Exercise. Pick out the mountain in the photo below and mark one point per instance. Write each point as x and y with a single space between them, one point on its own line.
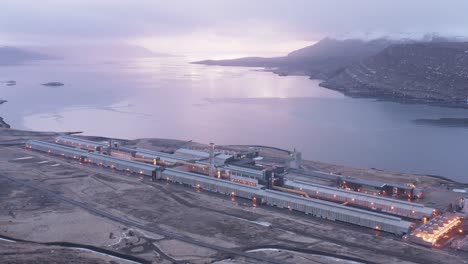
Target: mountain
423 72
433 69
99 51
320 60
12 55
329 47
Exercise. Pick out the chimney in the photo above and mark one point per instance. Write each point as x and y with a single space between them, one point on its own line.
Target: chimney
211 171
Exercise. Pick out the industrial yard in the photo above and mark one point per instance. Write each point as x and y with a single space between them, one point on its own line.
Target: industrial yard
167 201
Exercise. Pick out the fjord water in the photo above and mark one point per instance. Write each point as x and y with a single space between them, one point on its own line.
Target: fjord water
169 98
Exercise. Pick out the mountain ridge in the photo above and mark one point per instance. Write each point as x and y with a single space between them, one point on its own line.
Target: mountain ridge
431 70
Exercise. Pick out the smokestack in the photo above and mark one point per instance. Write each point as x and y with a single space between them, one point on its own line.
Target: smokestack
212 145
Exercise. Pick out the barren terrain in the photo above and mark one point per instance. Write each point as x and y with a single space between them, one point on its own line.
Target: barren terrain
63 205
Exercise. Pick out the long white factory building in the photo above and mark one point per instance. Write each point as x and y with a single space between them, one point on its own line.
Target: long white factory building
315 207
357 199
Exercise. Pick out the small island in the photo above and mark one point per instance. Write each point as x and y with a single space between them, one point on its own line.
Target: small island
53 84
9 83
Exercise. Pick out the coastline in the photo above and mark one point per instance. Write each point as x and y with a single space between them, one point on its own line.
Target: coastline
396 99
11 136
3 124
271 154
377 96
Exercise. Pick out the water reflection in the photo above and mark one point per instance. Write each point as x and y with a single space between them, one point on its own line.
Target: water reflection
229 105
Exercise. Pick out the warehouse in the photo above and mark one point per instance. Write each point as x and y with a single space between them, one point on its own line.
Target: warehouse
373 202
95 158
375 187
336 212
121 164
80 143
56 149
210 183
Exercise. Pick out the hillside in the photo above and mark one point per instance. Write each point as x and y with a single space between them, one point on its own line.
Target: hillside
12 55
320 60
423 72
431 70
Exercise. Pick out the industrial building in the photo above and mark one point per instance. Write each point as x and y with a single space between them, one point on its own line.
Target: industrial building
80 143
192 154
337 212
375 187
368 201
166 157
222 159
93 157
315 207
74 153
121 164
436 229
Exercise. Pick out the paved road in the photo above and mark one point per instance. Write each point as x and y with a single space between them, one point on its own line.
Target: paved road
112 217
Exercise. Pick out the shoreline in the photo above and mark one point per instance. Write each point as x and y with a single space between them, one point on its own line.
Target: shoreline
3 124
337 168
379 98
394 99
14 137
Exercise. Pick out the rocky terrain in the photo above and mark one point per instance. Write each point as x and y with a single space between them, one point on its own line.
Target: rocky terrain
3 124
433 70
320 60
61 211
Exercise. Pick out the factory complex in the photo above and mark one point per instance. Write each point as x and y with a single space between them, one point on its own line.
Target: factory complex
381 206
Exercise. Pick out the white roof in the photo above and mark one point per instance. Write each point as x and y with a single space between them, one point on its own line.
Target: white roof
359 196
223 156
80 141
192 152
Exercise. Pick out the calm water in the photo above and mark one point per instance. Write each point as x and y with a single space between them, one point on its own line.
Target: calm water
168 98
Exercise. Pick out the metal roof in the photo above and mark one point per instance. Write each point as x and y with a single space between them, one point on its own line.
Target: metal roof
363 181
223 156
162 154
318 174
337 208
243 169
81 141
192 152
57 147
211 180
92 155
359 196
122 161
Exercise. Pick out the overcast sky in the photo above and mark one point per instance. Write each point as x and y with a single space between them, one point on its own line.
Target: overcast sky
223 26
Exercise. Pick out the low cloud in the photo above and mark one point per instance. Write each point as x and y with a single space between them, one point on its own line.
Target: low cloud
278 22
